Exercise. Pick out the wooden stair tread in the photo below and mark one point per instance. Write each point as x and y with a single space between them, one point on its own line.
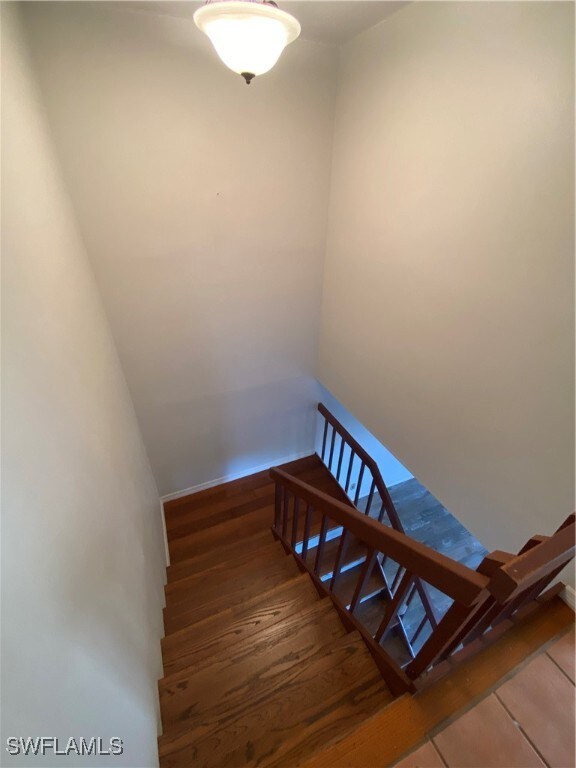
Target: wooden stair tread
232 530
305 694
258 669
219 555
355 555
220 573
229 627
342 714
194 527
222 497
237 493
370 614
206 602
198 519
347 581
228 583
213 690
210 496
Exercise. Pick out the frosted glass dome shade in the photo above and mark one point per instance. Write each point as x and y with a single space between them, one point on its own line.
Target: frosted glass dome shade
248 36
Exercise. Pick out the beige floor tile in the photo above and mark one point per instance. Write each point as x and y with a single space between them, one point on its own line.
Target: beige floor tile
541 698
486 737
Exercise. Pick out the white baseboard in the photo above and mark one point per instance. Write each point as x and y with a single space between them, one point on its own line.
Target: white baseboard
234 476
568 595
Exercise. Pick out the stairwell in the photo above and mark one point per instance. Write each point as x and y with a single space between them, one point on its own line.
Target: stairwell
260 669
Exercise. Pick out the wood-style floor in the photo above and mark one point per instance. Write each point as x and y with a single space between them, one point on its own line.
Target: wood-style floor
258 671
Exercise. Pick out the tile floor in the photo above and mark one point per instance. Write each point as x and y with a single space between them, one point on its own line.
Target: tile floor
527 722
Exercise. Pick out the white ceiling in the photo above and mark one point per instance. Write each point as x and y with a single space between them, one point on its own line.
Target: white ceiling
327 21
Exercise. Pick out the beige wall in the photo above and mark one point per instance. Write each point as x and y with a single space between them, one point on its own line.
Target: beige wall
82 547
447 322
203 206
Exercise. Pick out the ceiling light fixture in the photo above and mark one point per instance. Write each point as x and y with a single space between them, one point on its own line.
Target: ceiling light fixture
248 35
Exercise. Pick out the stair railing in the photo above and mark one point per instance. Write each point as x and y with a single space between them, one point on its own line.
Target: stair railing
343 464
501 587
336 461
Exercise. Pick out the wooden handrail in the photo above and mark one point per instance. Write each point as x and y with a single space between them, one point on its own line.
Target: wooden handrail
503 585
369 462
452 578
387 508
525 570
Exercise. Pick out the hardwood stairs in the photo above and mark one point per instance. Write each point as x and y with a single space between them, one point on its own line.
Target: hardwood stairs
260 669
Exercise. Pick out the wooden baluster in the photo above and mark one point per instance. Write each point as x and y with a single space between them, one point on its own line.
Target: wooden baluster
307 524
370 497
529 594
500 611
365 574
295 521
359 484
495 611
341 554
419 630
443 636
278 490
332 444
321 542
324 439
285 515
476 628
478 624
349 473
405 637
427 603
382 512
396 579
394 605
340 457
411 596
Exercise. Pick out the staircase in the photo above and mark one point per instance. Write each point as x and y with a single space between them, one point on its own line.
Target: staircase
258 669
286 646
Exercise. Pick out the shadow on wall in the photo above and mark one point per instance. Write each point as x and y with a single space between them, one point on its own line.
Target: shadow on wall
225 428
392 470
